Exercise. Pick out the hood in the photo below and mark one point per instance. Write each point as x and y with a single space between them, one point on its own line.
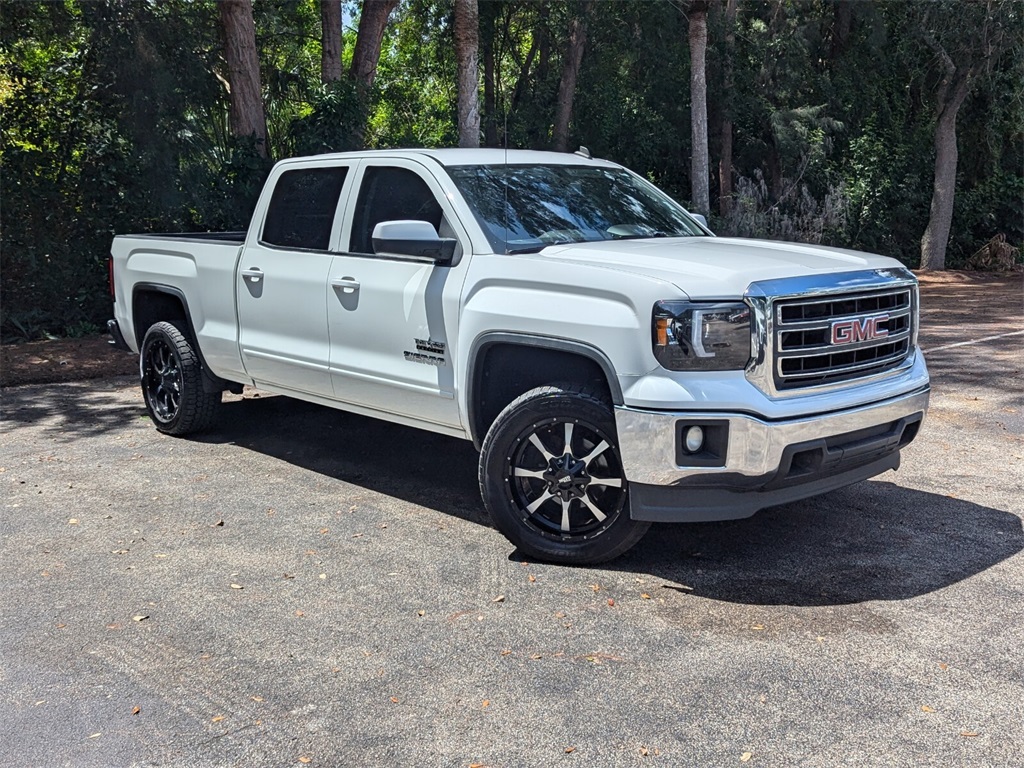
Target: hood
716 267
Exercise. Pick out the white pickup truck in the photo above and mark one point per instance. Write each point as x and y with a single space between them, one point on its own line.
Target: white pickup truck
614 362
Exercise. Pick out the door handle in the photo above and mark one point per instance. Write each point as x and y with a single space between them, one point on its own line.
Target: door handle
255 274
347 284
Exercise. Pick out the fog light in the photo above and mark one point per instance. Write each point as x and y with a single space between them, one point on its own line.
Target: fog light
694 439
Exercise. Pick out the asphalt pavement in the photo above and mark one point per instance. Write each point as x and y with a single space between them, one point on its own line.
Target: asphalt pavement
309 587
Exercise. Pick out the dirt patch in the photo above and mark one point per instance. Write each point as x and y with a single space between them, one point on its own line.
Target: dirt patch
45 362
954 306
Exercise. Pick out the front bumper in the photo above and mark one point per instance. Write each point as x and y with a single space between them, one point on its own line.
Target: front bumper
751 463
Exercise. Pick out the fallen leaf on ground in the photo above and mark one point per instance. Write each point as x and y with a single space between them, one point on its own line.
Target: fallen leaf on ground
217 719
421 613
758 627
745 757
487 703
237 586
969 734
570 750
394 700
300 613
74 521
95 735
324 530
532 578
506 652
218 524
644 596
499 599
140 617
257 698
357 535
304 759
535 656
943 667
136 710
596 587
926 708
611 603
644 751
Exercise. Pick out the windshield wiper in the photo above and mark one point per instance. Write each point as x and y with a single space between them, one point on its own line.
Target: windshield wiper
645 236
527 249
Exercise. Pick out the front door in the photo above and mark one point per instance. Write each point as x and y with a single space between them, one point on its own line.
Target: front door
393 320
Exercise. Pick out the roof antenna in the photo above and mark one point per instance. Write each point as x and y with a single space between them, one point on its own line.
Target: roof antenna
504 141
583 152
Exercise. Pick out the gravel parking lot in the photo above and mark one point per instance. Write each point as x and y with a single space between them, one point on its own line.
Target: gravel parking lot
305 586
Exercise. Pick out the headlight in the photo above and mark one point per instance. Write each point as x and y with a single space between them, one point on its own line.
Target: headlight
701 337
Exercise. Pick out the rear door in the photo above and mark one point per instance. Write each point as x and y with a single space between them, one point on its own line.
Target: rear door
282 281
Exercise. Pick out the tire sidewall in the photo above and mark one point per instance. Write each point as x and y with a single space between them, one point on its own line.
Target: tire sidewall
535 408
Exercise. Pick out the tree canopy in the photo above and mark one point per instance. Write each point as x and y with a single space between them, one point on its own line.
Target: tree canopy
824 118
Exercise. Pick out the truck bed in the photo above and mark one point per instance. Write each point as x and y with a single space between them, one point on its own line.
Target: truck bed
228 238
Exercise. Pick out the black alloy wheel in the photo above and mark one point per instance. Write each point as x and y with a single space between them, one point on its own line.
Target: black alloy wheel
172 382
552 478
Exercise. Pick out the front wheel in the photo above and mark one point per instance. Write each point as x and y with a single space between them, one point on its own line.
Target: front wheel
552 478
172 382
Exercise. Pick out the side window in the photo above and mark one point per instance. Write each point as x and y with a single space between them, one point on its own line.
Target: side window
388 194
302 208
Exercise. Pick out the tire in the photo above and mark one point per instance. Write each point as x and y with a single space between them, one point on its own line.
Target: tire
552 479
172 382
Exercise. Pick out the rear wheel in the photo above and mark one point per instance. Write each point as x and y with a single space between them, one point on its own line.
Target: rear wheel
552 478
172 382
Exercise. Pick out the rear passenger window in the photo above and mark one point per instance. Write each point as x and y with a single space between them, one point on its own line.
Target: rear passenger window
302 208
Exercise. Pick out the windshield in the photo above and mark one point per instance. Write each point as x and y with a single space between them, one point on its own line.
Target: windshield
523 208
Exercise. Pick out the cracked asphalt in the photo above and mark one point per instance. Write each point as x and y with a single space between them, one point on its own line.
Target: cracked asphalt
309 587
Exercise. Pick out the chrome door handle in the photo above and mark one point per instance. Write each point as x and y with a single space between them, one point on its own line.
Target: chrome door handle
255 274
347 284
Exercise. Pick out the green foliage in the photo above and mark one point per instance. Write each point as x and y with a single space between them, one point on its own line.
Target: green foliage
115 119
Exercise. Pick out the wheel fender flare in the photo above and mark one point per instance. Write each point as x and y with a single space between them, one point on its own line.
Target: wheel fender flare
211 383
491 338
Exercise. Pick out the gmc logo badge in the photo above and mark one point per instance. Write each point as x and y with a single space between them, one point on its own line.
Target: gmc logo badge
864 329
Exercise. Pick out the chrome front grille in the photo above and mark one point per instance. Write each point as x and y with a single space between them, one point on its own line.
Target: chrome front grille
831 331
835 338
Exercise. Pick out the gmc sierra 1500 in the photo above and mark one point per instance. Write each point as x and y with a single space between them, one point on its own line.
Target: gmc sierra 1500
613 360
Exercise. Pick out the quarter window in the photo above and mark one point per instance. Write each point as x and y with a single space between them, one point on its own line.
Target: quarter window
301 211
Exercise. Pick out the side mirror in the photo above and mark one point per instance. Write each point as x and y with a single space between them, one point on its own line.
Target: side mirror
700 219
413 238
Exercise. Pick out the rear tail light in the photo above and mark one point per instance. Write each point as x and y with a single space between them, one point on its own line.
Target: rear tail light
110 277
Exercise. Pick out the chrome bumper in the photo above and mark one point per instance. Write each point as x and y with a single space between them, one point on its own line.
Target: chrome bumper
649 440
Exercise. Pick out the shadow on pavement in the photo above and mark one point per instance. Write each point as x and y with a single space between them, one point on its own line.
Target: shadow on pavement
72 410
872 541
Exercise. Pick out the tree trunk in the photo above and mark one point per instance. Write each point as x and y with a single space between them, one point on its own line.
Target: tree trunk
372 22
725 162
467 53
490 98
940 218
331 41
700 165
246 116
567 83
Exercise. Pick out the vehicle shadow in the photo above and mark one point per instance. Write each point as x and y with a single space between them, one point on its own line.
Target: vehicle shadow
872 541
